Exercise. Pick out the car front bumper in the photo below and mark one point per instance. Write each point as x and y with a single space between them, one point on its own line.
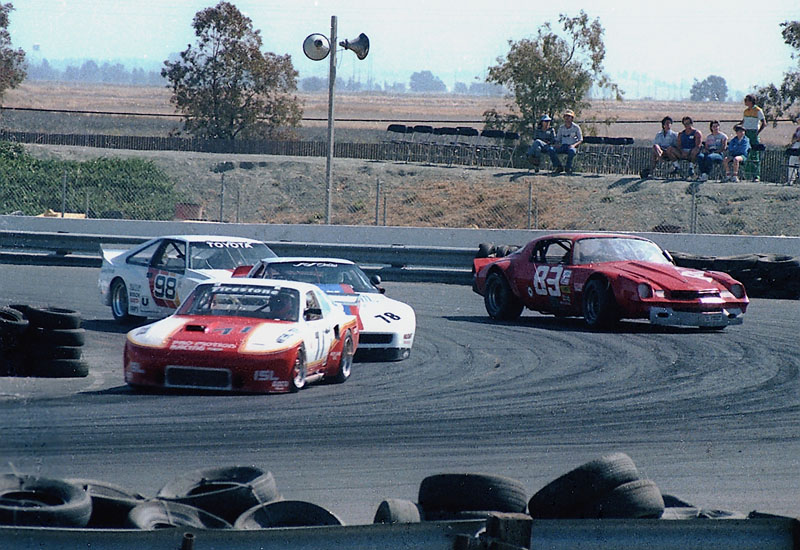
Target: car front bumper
719 318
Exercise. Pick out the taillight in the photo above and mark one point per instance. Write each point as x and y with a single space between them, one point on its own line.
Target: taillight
737 290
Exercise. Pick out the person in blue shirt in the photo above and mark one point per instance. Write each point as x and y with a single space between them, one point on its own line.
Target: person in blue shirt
543 139
738 149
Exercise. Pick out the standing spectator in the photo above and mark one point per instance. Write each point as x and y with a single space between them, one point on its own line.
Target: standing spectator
689 141
665 147
543 139
712 150
753 121
568 137
793 171
738 149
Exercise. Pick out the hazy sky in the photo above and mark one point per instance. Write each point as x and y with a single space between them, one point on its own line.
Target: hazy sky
674 41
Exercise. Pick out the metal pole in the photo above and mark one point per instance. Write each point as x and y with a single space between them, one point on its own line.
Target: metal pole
221 195
331 84
63 193
377 199
530 201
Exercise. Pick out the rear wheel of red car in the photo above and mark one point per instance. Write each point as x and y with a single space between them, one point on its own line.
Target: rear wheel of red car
346 363
297 377
599 306
500 302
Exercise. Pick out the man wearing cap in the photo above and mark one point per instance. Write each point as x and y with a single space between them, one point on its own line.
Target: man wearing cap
568 137
543 139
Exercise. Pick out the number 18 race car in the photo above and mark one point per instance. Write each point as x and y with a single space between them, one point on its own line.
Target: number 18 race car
245 335
604 278
153 279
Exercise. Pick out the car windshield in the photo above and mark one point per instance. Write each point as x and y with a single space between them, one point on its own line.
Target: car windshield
226 254
261 302
616 249
321 273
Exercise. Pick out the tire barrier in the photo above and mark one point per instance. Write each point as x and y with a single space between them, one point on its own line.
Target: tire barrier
42 342
30 500
286 513
111 503
763 275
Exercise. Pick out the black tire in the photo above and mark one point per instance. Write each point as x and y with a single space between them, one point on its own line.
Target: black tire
636 499
499 300
45 352
160 514
12 321
286 513
54 318
110 503
297 376
569 495
485 250
75 337
346 362
502 251
396 510
22 308
59 368
224 492
120 302
599 306
462 492
35 501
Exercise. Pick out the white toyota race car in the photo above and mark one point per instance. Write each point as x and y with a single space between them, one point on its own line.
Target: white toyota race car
153 279
387 326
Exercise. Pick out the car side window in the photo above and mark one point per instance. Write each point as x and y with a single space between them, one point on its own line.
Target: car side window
171 257
312 311
557 252
144 256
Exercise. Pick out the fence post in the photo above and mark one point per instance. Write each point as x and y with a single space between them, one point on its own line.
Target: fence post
530 201
63 192
377 199
221 195
693 213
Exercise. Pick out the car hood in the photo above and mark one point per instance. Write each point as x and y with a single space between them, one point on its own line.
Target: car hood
216 334
666 276
377 312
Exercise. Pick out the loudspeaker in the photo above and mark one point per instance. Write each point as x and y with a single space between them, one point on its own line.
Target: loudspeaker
360 45
316 47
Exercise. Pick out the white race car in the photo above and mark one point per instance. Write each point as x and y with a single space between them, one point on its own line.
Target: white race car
387 326
152 279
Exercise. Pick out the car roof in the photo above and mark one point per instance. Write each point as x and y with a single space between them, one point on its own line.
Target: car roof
577 235
295 259
203 238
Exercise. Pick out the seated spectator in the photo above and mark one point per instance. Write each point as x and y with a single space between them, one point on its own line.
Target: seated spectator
793 169
543 139
712 150
738 149
568 137
689 141
664 147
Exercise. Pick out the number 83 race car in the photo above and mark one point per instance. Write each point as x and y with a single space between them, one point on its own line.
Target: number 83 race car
606 277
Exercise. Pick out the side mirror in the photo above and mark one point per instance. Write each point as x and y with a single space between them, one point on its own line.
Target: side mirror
312 313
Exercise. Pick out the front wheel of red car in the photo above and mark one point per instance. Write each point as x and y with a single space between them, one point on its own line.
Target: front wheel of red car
499 300
346 362
599 306
297 376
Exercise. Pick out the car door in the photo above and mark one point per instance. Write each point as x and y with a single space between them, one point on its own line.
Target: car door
545 278
319 332
165 276
135 275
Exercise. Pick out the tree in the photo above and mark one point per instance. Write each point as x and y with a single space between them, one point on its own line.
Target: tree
12 62
784 100
426 81
551 72
226 87
713 88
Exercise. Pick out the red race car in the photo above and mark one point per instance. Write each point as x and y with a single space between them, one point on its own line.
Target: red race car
247 335
603 278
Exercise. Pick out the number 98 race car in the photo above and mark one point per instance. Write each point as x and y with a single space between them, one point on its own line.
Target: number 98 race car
387 326
153 279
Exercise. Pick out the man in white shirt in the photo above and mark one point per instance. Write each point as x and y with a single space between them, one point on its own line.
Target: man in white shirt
665 147
568 137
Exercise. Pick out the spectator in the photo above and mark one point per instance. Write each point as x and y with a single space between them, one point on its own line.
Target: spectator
543 139
738 149
794 160
568 137
665 147
753 121
712 150
689 141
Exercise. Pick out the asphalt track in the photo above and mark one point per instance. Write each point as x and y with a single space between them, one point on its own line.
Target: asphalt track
711 417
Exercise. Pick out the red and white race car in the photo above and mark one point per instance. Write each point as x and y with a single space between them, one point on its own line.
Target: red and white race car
606 277
245 335
152 279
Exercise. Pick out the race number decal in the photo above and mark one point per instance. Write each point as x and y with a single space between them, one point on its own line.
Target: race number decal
164 287
548 280
388 317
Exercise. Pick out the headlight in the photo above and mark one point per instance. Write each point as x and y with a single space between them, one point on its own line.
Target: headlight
645 291
737 290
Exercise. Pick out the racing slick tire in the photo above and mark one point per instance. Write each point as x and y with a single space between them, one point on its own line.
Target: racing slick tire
346 363
59 368
569 495
485 250
119 303
397 510
635 499
34 501
599 306
500 302
158 514
110 503
286 513
448 493
224 492
53 317
297 375
74 337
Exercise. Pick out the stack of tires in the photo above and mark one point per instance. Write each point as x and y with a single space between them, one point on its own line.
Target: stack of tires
41 342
